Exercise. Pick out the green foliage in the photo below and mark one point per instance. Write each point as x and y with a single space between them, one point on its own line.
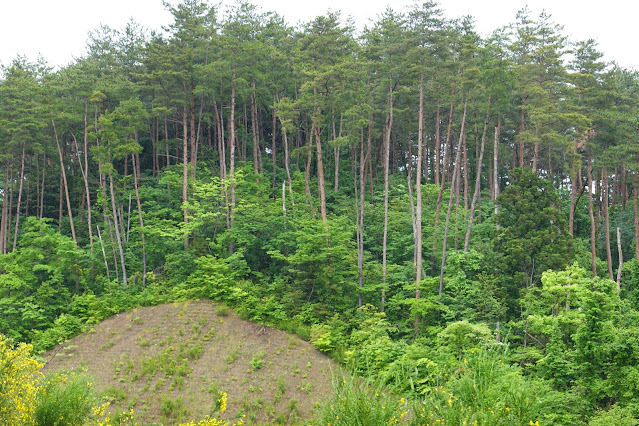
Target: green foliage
615 416
39 278
532 236
362 403
213 278
461 336
486 389
65 399
64 327
132 103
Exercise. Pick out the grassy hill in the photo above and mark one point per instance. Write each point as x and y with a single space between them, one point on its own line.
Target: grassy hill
172 362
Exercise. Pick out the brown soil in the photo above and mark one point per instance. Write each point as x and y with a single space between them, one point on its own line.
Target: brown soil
170 363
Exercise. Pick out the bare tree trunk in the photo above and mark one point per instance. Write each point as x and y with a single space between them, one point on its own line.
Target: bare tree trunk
86 193
44 172
418 189
369 154
273 146
5 212
185 172
307 172
477 183
360 224
438 144
64 179
85 176
465 163
193 139
620 267
449 143
320 174
358 230
232 158
447 148
636 206
336 152
593 235
136 177
117 228
286 164
522 129
256 136
106 263
450 199
387 138
604 201
17 227
573 188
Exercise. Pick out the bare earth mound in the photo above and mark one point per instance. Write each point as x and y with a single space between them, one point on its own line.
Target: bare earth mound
170 363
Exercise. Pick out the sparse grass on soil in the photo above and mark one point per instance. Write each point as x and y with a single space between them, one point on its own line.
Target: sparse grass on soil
171 363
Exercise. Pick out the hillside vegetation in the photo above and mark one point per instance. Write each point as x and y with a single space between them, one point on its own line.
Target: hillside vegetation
449 216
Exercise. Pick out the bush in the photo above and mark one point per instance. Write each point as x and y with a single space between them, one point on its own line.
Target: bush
19 381
356 402
65 399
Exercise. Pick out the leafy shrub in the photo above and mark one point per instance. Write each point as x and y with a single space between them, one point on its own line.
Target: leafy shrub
65 399
357 402
64 327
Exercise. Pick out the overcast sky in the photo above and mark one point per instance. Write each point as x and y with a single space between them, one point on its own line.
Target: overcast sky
57 29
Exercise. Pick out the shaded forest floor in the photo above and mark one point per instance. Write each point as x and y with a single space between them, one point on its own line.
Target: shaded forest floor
172 362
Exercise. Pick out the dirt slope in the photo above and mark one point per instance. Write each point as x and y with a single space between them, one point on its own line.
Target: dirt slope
170 363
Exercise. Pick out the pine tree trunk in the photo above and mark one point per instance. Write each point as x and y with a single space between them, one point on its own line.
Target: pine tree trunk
620 267
85 176
193 138
360 224
136 177
273 146
604 201
17 227
447 148
256 140
593 234
106 263
496 166
64 180
5 212
232 159
369 154
465 163
477 183
44 173
185 171
636 207
387 140
86 193
286 164
320 176
307 172
418 189
438 144
450 199
522 129
118 237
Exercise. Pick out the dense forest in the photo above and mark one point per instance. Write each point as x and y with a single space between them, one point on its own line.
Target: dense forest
453 216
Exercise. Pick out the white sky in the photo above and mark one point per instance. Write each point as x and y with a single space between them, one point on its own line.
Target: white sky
57 29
